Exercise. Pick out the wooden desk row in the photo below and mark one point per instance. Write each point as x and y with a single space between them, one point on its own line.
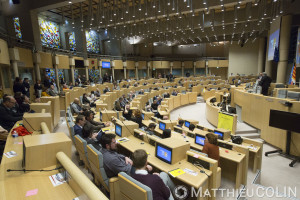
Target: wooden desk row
256 112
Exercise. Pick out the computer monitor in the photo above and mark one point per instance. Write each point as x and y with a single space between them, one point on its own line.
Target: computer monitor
143 116
200 127
199 139
187 124
220 135
162 126
163 153
118 130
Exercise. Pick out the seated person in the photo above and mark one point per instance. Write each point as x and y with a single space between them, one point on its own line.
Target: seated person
89 116
97 92
174 93
167 95
113 162
150 128
118 106
192 127
137 118
180 123
127 113
44 93
160 184
166 133
106 89
211 147
25 105
92 137
75 107
141 91
80 121
8 118
52 91
154 106
86 100
159 100
148 107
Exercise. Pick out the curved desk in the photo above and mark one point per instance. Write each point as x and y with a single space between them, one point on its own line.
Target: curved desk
256 112
212 115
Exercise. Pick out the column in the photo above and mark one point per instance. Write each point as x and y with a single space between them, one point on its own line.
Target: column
268 64
14 57
261 50
37 62
113 69
206 67
55 64
72 67
171 67
36 30
194 68
86 65
285 33
100 67
125 65
182 69
136 70
148 69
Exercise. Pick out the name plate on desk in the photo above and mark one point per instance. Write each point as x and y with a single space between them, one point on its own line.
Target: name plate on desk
269 99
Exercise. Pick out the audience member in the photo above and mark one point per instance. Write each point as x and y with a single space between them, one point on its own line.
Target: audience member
106 89
26 87
80 121
180 123
52 91
137 118
118 103
75 107
8 118
166 133
18 86
150 128
38 88
112 161
127 113
160 184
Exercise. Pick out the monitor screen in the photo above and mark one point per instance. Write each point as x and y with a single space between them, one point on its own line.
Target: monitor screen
162 126
119 130
143 116
220 135
163 153
285 120
79 64
187 124
105 65
199 139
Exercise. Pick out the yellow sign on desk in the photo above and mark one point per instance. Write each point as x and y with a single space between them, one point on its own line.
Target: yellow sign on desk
225 121
176 172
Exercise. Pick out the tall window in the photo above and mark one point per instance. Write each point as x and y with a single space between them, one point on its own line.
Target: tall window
49 32
92 41
72 41
17 27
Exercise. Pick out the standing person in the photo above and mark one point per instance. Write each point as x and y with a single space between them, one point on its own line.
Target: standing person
38 89
106 78
18 86
78 81
265 83
47 82
26 87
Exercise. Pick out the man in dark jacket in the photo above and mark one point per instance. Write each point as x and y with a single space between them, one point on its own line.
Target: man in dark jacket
265 83
7 117
26 87
18 86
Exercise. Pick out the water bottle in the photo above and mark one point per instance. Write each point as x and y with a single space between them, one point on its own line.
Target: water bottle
15 134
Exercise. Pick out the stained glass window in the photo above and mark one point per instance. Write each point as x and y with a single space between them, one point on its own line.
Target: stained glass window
50 73
17 27
94 75
49 32
72 42
92 41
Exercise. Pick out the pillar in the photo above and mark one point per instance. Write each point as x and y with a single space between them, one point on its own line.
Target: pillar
206 67
55 64
86 65
261 46
72 67
285 33
148 69
136 70
268 64
100 68
14 57
37 62
171 67
113 69
125 65
182 69
194 69
36 30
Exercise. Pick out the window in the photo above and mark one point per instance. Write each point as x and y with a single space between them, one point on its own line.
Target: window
49 32
92 41
72 41
17 27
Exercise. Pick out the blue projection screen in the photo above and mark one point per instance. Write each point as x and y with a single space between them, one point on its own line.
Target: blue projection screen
273 44
105 65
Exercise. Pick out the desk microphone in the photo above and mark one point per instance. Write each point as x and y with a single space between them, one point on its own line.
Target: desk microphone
33 170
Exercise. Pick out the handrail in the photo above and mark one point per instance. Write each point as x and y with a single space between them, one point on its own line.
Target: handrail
45 129
80 178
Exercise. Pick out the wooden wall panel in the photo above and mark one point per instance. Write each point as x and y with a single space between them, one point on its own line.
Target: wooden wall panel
200 64
4 53
213 63
26 57
165 64
63 62
188 64
142 65
118 64
130 64
176 65
46 60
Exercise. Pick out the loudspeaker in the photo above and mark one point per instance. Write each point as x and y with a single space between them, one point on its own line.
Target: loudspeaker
16 1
